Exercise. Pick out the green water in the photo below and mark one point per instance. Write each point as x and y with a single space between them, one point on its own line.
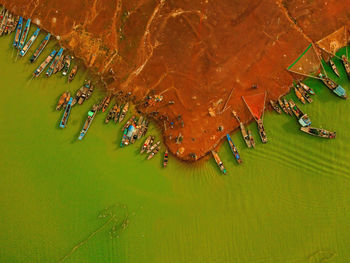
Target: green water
287 202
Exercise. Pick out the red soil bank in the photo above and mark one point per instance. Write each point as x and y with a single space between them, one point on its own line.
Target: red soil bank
193 52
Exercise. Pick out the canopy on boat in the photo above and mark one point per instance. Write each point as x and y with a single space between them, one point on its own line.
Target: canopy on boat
256 104
308 64
334 41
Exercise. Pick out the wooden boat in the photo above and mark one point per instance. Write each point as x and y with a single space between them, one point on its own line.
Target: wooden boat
59 65
307 88
334 67
153 153
29 43
90 91
129 122
77 96
287 107
304 93
66 113
43 65
251 139
243 130
73 73
18 32
124 111
24 35
146 143
218 161
318 132
54 63
106 103
8 24
165 159
2 14
87 124
62 100
303 119
275 107
66 64
13 24
4 22
111 113
152 147
142 129
117 113
299 96
346 65
283 107
67 100
233 149
336 88
130 133
40 48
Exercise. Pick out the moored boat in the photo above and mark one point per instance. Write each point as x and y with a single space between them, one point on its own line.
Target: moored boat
106 103
4 22
124 111
218 161
299 96
54 63
59 65
243 130
146 143
346 65
307 88
336 88
165 159
128 135
318 132
24 35
233 149
44 64
62 100
18 32
111 113
66 64
117 113
280 102
66 113
40 48
152 147
304 93
29 43
87 124
303 119
73 73
334 67
287 107
154 152
251 138
275 107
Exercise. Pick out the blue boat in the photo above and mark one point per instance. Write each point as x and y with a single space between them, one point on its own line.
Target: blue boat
24 35
233 149
66 113
40 48
18 32
29 43
127 135
336 88
90 118
43 65
54 62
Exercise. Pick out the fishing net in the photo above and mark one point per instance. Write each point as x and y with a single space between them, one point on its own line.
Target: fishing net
333 42
308 64
256 104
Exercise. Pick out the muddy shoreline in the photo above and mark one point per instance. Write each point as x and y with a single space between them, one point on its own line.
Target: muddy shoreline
193 54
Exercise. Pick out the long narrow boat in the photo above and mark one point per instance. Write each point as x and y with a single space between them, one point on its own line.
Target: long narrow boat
40 48
9 24
218 161
334 67
66 64
24 35
13 25
54 63
127 136
106 103
29 43
117 113
66 113
124 111
304 93
275 107
90 118
346 65
318 132
153 153
64 97
165 159
111 113
280 102
288 107
299 96
146 143
307 88
233 149
72 74
59 65
336 88
18 32
251 138
243 129
303 119
43 65
4 23
153 146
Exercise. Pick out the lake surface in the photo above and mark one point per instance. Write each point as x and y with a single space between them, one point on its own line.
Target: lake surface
287 202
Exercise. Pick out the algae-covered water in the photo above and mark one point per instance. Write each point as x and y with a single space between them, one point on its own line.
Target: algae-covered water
288 201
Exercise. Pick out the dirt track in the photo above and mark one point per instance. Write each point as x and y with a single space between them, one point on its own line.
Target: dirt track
192 52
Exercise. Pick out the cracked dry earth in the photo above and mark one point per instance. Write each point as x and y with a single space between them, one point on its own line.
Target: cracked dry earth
193 52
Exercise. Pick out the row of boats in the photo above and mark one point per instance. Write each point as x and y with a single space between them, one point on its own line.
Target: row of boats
8 22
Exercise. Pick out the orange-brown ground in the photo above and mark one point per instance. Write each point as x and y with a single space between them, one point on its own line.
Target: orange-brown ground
193 52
